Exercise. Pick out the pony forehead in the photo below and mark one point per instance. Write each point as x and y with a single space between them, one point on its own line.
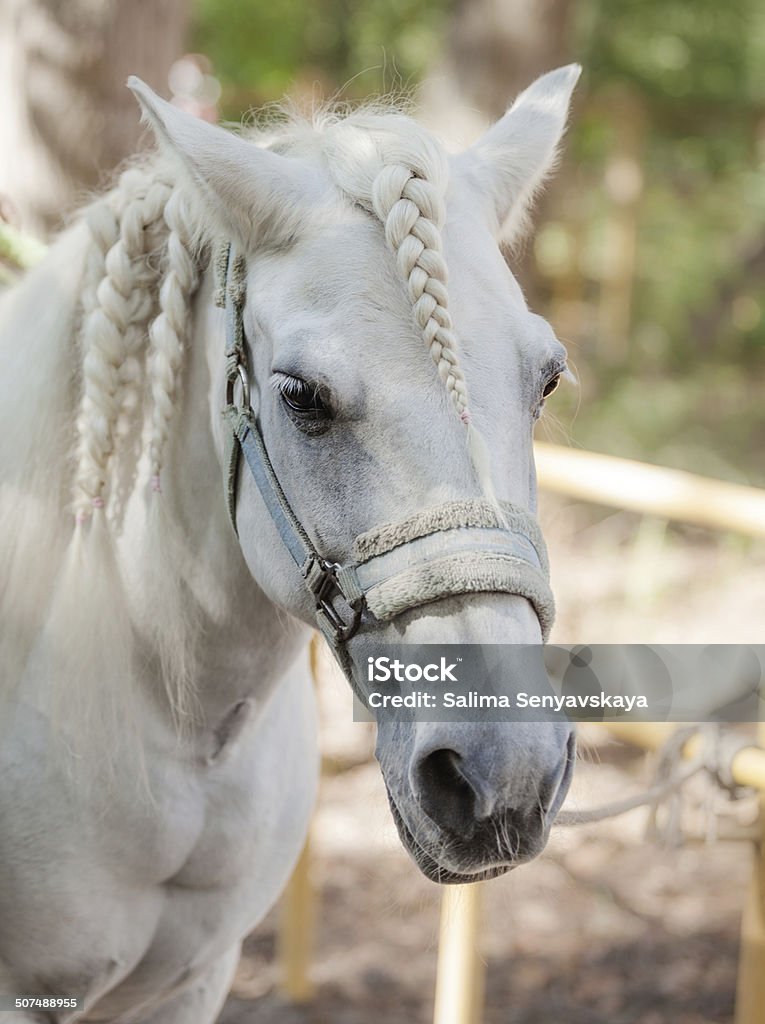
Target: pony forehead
340 278
340 257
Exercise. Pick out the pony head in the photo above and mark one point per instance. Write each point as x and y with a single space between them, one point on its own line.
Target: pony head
393 366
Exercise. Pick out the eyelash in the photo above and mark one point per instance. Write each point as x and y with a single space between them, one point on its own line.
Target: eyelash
553 379
302 399
552 385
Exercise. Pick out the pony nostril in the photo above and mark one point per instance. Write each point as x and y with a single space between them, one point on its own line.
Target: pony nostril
484 796
558 788
449 793
512 813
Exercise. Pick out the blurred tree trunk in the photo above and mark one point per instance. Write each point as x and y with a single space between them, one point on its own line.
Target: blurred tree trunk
66 118
623 184
493 50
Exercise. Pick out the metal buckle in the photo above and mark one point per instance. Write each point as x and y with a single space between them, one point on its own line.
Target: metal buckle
326 589
244 380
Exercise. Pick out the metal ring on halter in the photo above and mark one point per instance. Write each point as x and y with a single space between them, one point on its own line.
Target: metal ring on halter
244 380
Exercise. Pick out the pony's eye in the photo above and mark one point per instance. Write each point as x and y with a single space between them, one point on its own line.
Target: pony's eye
302 398
551 385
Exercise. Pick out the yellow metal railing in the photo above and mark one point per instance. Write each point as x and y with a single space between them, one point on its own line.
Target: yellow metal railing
747 768
652 490
750 991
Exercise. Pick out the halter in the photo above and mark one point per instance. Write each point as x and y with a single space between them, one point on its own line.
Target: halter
459 547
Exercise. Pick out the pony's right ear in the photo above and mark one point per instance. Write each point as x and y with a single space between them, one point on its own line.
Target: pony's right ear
508 165
252 194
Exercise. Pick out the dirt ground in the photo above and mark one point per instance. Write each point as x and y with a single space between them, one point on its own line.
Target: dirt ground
603 929
606 927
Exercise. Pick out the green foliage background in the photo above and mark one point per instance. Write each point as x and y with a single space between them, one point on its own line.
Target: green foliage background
261 49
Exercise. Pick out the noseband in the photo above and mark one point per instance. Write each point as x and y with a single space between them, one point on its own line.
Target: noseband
460 547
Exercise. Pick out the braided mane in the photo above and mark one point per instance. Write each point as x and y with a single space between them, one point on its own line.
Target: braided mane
127 326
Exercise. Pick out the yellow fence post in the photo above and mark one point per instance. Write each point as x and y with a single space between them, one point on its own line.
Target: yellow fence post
295 941
750 993
298 905
747 769
460 971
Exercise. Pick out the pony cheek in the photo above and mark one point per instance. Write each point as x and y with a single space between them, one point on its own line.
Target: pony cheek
267 560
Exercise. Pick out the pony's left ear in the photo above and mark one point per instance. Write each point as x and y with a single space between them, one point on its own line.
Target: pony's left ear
252 194
508 165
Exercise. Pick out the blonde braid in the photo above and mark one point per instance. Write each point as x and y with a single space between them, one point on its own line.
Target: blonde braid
140 222
168 330
103 226
118 303
103 334
412 211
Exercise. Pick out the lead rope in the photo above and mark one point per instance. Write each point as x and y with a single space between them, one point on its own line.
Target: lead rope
671 776
714 758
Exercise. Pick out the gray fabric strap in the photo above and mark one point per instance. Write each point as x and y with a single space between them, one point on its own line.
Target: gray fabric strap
411 567
477 512
322 580
291 532
463 572
435 546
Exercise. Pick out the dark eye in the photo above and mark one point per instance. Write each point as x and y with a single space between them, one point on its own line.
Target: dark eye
302 398
551 386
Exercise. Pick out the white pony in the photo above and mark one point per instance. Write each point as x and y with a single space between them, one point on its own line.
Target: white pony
157 731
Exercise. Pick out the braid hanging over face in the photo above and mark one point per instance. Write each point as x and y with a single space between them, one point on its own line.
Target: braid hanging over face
412 211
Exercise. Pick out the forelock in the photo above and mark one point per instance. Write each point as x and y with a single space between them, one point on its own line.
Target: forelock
354 146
